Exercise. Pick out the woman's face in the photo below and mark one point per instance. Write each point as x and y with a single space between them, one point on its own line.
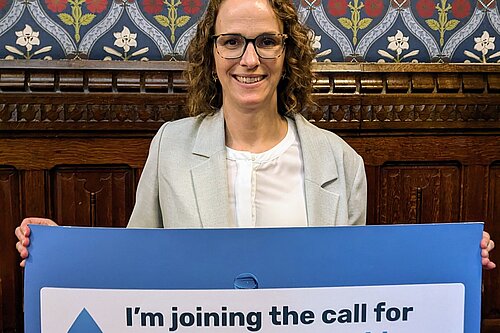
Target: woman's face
248 82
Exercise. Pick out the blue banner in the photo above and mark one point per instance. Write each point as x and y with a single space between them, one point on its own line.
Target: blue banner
67 263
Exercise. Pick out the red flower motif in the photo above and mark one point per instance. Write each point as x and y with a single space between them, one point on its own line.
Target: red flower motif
192 7
461 8
152 6
374 8
337 7
425 8
3 3
96 6
56 6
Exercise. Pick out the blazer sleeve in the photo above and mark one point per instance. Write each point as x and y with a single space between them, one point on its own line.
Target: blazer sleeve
358 196
147 210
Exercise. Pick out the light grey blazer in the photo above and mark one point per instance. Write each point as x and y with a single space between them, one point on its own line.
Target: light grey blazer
184 183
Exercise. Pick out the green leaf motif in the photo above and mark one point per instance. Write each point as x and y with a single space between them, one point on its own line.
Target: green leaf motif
87 19
451 24
66 19
182 21
163 20
346 23
76 11
433 24
364 23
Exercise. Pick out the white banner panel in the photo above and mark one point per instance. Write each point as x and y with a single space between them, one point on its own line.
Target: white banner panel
429 308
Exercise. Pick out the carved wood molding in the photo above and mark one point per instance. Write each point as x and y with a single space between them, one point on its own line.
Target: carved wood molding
97 95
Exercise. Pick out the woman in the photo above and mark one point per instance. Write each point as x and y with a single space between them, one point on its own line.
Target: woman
246 73
248 158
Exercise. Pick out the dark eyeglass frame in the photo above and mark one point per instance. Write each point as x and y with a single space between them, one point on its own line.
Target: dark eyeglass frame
252 40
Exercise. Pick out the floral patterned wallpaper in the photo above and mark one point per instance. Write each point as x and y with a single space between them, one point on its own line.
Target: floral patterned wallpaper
342 30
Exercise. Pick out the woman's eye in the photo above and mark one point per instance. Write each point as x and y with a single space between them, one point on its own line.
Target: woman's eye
231 42
268 42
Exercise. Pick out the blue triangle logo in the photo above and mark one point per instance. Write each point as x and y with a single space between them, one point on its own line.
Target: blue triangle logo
84 323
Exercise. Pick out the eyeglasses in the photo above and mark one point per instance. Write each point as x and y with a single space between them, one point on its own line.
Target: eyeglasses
233 46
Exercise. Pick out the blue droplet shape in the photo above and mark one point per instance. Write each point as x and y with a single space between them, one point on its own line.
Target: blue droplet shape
246 281
84 323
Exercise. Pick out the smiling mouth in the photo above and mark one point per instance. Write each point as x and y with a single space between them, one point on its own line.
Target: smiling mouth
246 79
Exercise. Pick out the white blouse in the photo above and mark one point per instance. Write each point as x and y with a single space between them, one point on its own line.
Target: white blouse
267 189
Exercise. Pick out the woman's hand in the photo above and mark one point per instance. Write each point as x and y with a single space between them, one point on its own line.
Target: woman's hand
487 245
23 235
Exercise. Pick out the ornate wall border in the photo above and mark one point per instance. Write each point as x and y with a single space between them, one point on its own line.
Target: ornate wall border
357 98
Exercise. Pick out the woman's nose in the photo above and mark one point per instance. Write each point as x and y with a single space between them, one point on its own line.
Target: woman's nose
250 58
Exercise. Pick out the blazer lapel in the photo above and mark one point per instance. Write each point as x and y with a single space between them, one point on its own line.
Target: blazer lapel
210 176
320 169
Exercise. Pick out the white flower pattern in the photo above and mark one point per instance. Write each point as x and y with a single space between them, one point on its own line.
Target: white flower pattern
315 13
125 40
484 44
315 40
398 43
27 38
316 46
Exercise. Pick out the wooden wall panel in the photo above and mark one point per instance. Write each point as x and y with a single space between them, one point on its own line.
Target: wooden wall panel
373 179
419 193
34 186
475 196
93 195
10 278
1 305
491 303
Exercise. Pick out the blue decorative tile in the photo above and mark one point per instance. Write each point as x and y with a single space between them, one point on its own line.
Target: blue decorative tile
368 30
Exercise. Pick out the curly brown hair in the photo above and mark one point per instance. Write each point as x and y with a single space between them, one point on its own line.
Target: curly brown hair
294 89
